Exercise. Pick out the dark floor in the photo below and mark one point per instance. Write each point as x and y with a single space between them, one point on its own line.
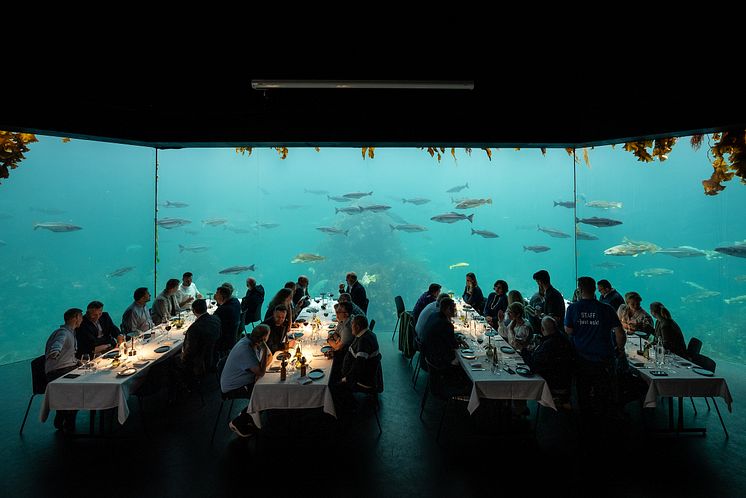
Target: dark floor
311 454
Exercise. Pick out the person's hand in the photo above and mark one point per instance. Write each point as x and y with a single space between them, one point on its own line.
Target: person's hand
489 320
501 315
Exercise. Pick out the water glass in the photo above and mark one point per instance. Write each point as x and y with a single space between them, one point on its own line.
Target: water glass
85 360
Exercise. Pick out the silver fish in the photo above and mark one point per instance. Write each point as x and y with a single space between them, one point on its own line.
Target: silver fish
307 257
738 250
581 235
553 232
566 204
120 271
315 192
170 223
653 272
485 233
332 230
417 201
604 204
213 222
175 204
458 188
735 300
408 228
452 218
357 195
631 248
598 222
472 203
536 248
349 210
54 226
699 296
267 225
376 208
235 270
193 248
682 252
338 198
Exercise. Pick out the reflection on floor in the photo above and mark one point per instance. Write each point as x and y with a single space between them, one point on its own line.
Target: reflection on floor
311 454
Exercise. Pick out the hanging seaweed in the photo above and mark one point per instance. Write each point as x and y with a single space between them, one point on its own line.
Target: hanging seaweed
244 150
283 151
733 145
696 141
640 150
489 153
662 147
13 146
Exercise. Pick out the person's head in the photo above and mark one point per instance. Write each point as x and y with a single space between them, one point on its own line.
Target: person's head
548 326
222 294
515 311
633 300
344 311
94 310
228 286
251 283
186 279
359 324
448 307
471 279
501 287
280 313
172 286
515 296
587 287
604 287
303 281
344 298
259 334
199 307
141 295
283 296
441 297
434 290
73 317
290 285
658 310
542 279
351 278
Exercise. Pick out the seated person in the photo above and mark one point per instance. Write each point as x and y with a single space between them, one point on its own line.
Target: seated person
199 340
426 298
60 359
425 315
356 291
301 299
473 295
633 317
553 359
518 331
346 298
609 295
97 333
667 330
136 318
438 344
165 305
187 292
496 301
229 312
278 325
285 297
341 338
251 304
247 362
360 369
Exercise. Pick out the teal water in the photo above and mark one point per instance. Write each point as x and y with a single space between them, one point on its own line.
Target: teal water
109 190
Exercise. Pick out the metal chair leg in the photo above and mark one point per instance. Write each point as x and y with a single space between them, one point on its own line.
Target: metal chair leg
424 397
416 374
693 406
375 410
26 415
395 327
217 419
714 402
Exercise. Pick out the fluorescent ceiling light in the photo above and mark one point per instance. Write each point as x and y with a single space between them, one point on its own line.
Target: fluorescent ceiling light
362 84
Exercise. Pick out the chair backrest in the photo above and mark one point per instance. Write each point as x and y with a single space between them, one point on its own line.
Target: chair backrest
694 347
220 367
399 305
704 362
371 325
38 375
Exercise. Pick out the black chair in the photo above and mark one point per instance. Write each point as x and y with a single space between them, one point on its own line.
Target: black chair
709 364
232 396
371 325
373 393
694 347
400 308
436 387
38 382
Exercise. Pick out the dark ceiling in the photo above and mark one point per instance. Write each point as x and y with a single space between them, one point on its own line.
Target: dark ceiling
532 105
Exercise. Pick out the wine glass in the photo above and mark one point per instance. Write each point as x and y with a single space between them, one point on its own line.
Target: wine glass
480 341
85 359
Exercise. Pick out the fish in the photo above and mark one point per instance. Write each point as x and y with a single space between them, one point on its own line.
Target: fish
740 278
604 204
472 203
738 250
170 223
235 270
267 225
193 248
458 265
682 252
54 226
357 195
376 208
458 188
417 201
338 198
213 222
694 284
581 235
631 248
408 228
565 204
598 222
332 230
368 279
536 249
292 206
485 233
349 210
307 257
175 204
48 210
452 218
699 296
120 271
735 300
553 232
653 272
315 192
608 265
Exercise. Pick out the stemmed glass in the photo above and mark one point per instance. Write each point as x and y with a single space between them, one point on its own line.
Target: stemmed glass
480 341
85 360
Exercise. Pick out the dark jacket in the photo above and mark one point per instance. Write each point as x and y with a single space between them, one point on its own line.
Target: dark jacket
554 304
673 340
475 299
425 299
251 304
438 341
87 334
199 343
362 360
277 334
613 299
494 304
357 293
230 316
553 360
299 296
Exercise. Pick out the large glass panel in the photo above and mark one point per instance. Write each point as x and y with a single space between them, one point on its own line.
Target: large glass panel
76 223
663 204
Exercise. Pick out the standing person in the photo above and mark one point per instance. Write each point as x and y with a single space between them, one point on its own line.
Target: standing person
301 299
473 295
165 305
60 359
97 331
251 304
667 331
554 303
596 333
187 292
356 291
430 296
609 295
199 340
341 339
137 317
497 301
633 317
229 312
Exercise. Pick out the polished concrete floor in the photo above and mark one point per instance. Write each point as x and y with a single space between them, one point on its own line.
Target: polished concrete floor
308 453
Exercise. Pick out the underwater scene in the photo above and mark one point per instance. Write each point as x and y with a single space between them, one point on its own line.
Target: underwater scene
78 223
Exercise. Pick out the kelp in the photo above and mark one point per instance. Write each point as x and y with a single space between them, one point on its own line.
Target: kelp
696 141
640 150
244 150
662 147
369 151
283 151
489 153
733 145
13 146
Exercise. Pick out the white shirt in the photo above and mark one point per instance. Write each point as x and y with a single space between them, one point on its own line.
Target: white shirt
185 292
424 315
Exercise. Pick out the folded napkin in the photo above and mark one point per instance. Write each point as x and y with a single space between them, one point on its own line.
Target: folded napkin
304 380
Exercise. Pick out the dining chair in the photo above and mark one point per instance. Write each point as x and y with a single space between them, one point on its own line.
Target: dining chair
38 384
709 364
400 308
232 396
372 393
436 386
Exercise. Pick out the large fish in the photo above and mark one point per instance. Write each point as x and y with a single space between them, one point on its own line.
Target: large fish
175 204
458 188
307 257
740 278
653 272
604 204
553 232
536 249
565 204
235 270
485 233
54 226
608 265
472 203
458 265
699 296
357 195
631 248
581 235
349 210
417 201
338 198
598 222
315 192
376 208
183 248
120 271
332 230
682 252
213 222
170 223
452 218
735 300
408 228
738 250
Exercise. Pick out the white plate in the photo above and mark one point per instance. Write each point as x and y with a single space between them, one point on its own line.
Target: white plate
468 356
127 372
315 374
